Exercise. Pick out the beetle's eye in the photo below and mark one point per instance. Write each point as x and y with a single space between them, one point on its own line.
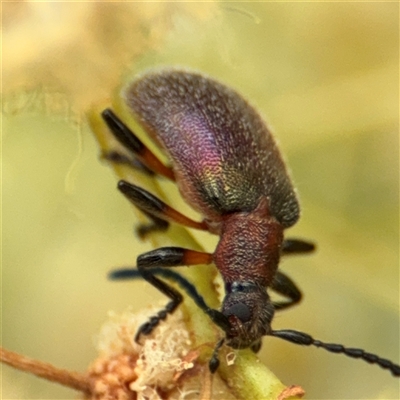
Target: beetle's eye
239 310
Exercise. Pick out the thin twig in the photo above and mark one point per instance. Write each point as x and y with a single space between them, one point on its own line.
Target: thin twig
71 379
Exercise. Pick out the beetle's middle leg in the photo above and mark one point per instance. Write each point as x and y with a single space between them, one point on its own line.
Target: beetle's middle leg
159 212
143 158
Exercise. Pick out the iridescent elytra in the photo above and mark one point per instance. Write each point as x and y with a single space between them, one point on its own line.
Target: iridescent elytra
227 166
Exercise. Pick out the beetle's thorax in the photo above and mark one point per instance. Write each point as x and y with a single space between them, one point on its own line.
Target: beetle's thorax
249 247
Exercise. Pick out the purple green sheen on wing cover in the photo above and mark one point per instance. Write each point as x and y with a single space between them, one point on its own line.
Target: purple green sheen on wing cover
218 142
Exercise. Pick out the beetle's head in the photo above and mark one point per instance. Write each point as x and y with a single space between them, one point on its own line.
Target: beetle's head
249 311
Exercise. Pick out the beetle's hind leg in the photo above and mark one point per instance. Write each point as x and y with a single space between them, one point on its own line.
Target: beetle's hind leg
159 212
142 157
283 285
116 157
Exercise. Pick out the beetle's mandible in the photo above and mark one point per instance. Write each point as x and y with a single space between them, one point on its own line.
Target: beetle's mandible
227 166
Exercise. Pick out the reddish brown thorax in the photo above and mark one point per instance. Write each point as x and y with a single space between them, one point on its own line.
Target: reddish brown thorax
249 248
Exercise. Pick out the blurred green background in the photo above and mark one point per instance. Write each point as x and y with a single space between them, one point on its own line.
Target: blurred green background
326 78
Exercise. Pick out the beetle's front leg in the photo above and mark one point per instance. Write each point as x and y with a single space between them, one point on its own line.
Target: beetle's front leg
283 285
297 246
166 257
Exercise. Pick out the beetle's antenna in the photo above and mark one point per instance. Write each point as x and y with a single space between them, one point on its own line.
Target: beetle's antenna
306 340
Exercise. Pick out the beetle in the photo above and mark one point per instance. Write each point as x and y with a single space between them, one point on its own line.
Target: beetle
227 166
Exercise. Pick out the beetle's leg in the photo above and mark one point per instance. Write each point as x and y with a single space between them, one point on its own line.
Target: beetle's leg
166 257
122 159
132 273
155 209
283 285
156 225
134 145
296 246
214 361
171 255
256 347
